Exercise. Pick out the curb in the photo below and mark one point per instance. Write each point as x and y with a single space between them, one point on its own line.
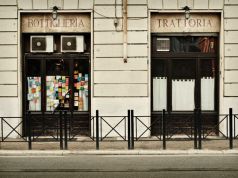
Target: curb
115 152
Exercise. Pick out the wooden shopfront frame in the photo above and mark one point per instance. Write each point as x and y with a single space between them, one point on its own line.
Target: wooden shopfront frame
169 32
61 29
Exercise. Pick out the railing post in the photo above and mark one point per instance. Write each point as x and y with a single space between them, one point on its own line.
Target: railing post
129 129
195 128
65 131
97 130
132 129
2 128
199 118
61 131
230 129
29 130
164 129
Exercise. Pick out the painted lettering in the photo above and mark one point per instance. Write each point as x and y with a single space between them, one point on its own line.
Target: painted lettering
165 23
30 22
209 23
173 23
199 23
192 23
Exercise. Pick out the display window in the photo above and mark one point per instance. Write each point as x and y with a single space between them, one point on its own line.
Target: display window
52 83
184 73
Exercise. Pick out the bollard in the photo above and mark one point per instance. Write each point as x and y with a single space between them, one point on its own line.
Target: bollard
195 128
65 131
129 129
230 129
199 120
132 129
29 131
164 129
61 131
97 130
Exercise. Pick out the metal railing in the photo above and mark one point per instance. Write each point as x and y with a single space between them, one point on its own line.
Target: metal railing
61 131
13 129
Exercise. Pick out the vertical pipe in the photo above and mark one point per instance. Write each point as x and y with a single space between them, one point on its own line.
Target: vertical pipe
128 129
230 129
164 129
132 129
97 130
199 119
65 131
61 131
29 131
125 31
195 128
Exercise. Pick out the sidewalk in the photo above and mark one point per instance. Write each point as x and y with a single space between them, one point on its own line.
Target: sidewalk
117 148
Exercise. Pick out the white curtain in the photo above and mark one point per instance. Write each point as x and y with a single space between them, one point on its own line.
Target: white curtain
207 93
183 95
159 93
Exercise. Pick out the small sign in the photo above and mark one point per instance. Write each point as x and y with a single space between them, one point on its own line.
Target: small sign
65 22
166 23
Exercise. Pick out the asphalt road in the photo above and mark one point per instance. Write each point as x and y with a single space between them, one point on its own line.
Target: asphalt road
115 166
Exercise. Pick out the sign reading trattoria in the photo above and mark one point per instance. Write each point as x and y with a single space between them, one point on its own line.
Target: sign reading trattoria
64 23
166 23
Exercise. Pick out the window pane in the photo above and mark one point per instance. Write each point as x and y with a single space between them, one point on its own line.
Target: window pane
33 85
208 71
163 44
56 89
57 84
183 95
81 85
183 44
34 93
184 69
207 93
159 74
57 67
159 93
208 68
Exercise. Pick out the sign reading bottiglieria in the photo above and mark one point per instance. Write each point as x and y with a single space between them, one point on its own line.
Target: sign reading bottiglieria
64 23
167 23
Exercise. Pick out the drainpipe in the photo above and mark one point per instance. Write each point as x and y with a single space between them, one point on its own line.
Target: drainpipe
125 31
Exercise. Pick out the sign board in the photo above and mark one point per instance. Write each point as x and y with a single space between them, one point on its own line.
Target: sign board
166 23
65 22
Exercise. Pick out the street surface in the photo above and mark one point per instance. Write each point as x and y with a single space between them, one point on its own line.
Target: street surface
115 166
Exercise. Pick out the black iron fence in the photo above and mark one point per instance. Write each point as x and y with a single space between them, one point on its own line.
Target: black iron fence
129 128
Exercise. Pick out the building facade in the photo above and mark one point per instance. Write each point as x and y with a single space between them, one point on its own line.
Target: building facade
145 55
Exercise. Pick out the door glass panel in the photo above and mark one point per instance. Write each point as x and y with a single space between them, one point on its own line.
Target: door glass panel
183 84
57 84
207 84
159 85
81 77
33 85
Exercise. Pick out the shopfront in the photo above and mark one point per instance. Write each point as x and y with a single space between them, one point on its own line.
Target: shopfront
184 68
144 55
56 68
